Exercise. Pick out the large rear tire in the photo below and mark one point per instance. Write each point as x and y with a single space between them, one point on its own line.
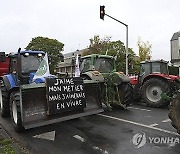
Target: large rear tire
174 112
126 93
4 101
15 111
137 93
152 90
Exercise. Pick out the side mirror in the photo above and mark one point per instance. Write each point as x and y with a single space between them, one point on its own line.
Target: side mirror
2 57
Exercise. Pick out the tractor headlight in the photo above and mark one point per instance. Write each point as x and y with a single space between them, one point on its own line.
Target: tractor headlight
26 54
39 54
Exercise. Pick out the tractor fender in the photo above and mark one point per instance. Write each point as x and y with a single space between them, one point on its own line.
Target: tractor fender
93 75
119 77
155 76
14 89
9 81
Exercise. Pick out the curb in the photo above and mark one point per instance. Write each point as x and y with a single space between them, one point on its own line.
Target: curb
4 136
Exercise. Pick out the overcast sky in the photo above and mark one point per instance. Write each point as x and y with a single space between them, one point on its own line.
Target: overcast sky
74 22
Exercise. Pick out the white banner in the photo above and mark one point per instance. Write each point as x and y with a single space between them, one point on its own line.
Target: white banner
77 70
43 70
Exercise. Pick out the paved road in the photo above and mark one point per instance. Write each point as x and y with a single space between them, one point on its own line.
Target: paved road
139 129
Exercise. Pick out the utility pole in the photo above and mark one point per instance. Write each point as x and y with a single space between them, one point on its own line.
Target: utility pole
102 14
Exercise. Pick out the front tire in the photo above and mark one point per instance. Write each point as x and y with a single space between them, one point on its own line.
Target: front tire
152 90
174 112
4 101
126 94
16 111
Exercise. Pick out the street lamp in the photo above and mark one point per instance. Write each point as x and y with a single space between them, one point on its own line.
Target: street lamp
102 13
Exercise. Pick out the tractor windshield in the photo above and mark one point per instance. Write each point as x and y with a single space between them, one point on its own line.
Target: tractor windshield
153 67
104 65
159 67
156 67
30 63
164 68
145 69
85 64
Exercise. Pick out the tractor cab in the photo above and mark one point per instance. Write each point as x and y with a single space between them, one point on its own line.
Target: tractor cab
30 61
152 67
100 63
24 63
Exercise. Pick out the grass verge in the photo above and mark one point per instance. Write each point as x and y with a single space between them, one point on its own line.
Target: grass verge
6 146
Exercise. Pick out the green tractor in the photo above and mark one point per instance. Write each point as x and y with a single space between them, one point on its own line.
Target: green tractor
116 90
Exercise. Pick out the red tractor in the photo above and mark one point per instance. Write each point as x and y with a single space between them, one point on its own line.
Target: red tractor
4 64
153 82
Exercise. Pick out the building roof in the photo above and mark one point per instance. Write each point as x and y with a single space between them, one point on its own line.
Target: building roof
153 61
70 54
68 57
175 36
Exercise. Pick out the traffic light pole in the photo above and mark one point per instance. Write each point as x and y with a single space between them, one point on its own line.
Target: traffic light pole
126 40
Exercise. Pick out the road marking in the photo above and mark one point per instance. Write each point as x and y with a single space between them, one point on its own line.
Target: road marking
139 124
97 148
139 109
167 120
79 138
47 136
94 147
153 125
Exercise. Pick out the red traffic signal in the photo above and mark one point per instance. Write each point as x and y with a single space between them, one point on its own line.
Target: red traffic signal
102 12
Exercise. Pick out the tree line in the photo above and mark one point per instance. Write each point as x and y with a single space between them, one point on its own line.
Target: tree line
97 45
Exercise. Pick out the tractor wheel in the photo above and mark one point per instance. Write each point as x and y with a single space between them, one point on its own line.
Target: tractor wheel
16 111
174 113
4 101
152 90
137 93
126 93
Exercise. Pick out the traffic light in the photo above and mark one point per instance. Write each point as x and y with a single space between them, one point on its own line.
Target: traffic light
102 12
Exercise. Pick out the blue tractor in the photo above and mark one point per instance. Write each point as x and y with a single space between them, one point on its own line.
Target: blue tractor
32 103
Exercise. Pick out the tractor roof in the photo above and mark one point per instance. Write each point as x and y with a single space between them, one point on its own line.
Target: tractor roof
33 52
12 54
154 61
95 55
